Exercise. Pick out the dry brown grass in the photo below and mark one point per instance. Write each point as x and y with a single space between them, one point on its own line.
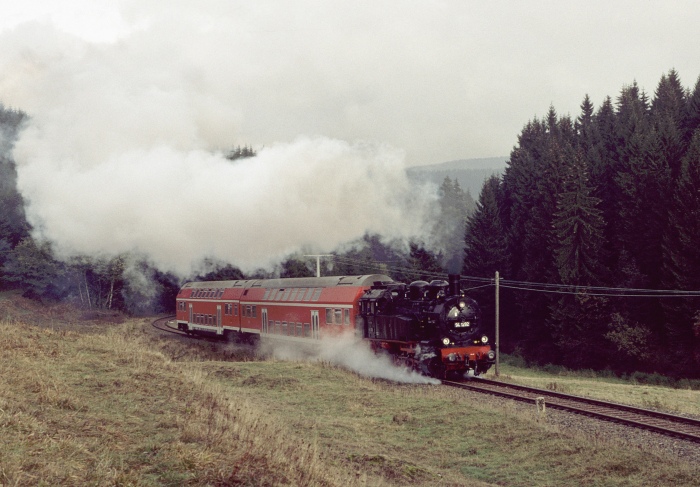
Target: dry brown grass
80 409
127 406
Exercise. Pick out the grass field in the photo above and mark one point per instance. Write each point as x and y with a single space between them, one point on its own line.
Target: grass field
679 400
124 406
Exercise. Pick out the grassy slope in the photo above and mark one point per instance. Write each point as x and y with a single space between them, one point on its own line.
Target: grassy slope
114 409
675 401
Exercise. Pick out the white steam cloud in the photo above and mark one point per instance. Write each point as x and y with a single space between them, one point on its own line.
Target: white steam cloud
351 353
123 152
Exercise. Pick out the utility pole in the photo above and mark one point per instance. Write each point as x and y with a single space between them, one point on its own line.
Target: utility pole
318 262
498 351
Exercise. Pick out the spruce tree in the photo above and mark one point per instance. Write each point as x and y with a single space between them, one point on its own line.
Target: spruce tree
669 118
485 252
578 320
681 262
455 206
486 249
693 112
578 228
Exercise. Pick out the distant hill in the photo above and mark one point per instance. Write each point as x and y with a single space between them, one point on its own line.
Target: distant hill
471 173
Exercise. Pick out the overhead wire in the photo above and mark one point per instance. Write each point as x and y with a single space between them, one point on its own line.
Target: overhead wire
552 288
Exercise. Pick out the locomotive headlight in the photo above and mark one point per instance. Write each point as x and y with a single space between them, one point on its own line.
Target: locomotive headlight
484 339
445 341
462 304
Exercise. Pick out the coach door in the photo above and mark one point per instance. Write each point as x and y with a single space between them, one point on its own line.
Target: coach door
191 314
219 324
314 325
264 320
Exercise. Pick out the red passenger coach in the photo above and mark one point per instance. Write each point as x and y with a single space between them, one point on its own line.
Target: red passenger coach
295 310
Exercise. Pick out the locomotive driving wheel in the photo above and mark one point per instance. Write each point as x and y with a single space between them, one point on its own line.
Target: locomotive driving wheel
429 362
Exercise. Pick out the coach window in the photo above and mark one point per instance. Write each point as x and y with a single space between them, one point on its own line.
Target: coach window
284 328
293 295
338 316
235 309
248 311
255 311
309 293
347 316
221 293
329 316
307 330
286 294
280 293
300 295
317 294
267 294
299 330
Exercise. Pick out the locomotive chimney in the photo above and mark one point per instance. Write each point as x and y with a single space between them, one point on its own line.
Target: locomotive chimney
454 288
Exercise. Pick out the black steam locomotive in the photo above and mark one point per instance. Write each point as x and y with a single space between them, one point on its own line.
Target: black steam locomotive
432 327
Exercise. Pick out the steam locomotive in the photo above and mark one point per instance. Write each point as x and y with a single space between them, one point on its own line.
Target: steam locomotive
431 327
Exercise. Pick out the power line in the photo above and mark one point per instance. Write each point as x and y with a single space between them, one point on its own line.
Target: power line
551 288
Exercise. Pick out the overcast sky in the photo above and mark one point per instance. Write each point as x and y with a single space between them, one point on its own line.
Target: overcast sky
130 101
440 80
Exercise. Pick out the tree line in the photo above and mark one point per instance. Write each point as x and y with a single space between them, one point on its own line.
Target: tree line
603 208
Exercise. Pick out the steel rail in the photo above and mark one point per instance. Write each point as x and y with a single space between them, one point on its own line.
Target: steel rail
664 423
162 325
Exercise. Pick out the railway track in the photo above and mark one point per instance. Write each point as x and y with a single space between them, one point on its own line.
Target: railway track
664 423
162 324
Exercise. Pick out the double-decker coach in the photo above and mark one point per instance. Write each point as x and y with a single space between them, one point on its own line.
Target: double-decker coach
294 310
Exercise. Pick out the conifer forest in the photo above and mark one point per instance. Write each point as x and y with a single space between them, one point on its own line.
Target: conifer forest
595 230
